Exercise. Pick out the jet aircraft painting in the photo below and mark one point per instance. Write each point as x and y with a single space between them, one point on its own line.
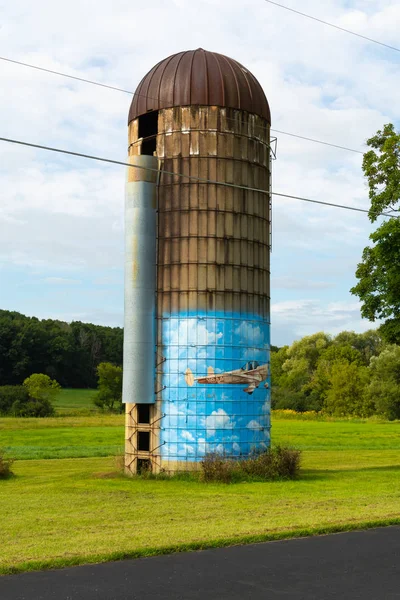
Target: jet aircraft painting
251 375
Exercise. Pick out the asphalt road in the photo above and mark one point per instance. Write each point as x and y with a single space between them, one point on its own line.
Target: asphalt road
363 564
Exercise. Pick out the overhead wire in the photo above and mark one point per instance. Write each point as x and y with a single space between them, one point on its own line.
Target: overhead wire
364 37
130 92
302 137
189 177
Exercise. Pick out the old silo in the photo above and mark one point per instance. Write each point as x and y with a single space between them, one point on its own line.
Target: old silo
203 117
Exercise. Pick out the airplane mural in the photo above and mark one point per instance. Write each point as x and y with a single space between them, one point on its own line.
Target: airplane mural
251 375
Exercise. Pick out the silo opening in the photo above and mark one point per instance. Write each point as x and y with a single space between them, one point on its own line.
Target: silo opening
144 441
143 466
143 413
148 129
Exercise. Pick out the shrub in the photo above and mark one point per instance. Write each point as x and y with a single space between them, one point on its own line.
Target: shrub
42 387
271 464
215 467
5 465
9 394
33 408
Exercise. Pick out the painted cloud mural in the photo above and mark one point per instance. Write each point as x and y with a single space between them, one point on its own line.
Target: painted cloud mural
215 381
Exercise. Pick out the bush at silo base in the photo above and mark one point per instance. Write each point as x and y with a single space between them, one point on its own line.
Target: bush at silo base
275 463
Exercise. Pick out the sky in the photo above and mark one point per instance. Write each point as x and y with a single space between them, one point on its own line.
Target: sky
61 218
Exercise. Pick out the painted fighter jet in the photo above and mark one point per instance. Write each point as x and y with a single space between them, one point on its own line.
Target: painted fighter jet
251 374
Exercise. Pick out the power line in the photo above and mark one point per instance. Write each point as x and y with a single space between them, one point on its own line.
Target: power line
332 25
190 177
318 141
118 89
23 64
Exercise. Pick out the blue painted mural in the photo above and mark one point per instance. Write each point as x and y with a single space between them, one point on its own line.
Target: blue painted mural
216 395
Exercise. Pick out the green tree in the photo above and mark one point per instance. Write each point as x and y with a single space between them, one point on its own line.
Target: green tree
41 387
109 395
292 370
66 352
42 392
321 380
384 389
369 343
346 395
379 272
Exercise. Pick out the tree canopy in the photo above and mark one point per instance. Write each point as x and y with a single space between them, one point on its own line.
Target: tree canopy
352 374
378 273
67 352
109 395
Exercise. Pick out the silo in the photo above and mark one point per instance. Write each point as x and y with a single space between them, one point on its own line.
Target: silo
207 120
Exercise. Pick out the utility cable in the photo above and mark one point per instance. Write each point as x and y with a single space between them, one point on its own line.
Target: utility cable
302 137
23 64
190 177
118 89
364 37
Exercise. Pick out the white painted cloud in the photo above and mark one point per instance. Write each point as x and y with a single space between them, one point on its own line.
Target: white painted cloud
250 334
219 419
186 332
255 425
186 435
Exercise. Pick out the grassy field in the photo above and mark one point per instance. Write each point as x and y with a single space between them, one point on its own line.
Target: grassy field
70 402
103 435
81 509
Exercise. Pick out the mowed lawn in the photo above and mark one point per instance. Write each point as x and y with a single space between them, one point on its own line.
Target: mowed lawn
75 510
75 401
103 435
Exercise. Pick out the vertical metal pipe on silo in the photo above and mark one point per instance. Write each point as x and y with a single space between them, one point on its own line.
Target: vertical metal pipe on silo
140 281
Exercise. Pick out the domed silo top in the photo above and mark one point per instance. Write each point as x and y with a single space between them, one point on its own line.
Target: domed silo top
202 78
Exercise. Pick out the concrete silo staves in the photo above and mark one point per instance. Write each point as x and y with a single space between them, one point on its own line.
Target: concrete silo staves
197 287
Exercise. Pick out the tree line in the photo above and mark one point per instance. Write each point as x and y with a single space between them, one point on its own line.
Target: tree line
348 375
67 352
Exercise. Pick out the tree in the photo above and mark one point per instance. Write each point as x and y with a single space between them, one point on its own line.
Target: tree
369 343
384 389
109 395
42 392
379 272
347 392
66 352
41 387
292 369
321 381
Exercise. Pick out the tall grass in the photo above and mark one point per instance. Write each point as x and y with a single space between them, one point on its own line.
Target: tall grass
275 463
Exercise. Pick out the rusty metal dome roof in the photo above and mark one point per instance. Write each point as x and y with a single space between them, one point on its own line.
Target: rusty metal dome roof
199 77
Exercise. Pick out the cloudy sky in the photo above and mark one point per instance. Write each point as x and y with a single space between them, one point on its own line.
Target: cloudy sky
61 219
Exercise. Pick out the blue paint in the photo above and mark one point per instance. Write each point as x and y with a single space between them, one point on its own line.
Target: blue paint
201 415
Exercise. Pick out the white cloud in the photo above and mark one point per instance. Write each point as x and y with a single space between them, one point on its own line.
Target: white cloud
304 317
186 435
63 214
219 419
191 332
250 334
254 425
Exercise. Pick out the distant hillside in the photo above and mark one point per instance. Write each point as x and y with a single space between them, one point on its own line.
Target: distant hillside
68 352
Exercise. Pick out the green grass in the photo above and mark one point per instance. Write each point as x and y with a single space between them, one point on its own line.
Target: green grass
103 435
63 512
75 401
67 437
